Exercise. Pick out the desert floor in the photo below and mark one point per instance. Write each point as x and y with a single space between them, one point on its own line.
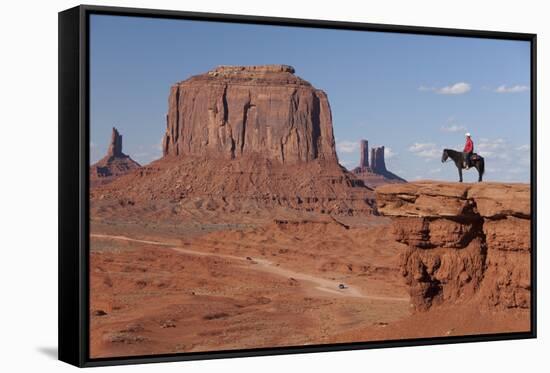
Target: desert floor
189 287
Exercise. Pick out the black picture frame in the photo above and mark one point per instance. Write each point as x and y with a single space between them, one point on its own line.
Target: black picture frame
74 161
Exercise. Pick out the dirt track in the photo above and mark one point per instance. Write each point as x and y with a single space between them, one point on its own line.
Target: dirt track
272 285
314 283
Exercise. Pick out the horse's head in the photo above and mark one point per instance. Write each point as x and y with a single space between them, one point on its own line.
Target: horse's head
445 156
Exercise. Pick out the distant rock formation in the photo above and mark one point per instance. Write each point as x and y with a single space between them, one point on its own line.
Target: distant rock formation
243 139
114 164
364 163
233 111
374 173
464 241
115 146
377 163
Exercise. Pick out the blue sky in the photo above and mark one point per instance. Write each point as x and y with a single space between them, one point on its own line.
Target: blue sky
414 94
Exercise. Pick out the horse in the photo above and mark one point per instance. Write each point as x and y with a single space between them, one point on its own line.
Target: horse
476 161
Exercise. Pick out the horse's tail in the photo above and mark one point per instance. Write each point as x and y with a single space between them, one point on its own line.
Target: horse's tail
482 166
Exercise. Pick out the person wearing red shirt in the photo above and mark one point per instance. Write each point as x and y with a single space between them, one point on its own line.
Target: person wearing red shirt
468 149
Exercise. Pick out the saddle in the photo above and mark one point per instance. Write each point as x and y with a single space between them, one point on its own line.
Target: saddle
473 157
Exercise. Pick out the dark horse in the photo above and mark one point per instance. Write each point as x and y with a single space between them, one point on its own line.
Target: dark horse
477 161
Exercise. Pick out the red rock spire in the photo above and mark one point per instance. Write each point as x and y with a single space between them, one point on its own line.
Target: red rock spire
377 162
364 154
115 146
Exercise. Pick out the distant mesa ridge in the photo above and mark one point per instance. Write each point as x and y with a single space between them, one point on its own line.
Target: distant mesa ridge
236 111
372 170
114 164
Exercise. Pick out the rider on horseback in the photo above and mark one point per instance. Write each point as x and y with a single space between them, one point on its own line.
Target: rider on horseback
468 150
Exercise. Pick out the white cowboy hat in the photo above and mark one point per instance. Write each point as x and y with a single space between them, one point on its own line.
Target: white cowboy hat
468 134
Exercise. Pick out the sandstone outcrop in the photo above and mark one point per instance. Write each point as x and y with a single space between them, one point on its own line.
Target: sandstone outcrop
236 111
244 139
114 164
172 187
373 171
463 241
377 163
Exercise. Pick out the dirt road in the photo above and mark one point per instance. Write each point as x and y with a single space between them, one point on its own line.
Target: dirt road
315 283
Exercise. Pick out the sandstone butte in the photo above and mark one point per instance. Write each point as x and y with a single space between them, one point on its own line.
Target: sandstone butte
114 164
372 171
241 110
242 138
465 241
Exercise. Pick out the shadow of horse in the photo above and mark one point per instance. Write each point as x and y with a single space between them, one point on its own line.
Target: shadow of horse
476 161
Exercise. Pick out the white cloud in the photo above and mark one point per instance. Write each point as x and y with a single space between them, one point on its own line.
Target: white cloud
453 128
425 150
525 161
515 170
158 145
524 148
497 148
512 89
418 146
345 146
435 170
389 153
346 164
455 89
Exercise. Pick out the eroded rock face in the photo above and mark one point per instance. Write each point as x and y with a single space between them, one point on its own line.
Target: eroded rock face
463 241
114 164
235 111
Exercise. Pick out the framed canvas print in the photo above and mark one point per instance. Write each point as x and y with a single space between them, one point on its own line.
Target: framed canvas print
235 186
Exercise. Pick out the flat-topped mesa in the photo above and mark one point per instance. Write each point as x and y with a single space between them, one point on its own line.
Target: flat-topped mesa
236 111
465 241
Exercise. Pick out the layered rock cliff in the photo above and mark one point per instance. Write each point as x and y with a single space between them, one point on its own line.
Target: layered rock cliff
463 241
242 110
114 164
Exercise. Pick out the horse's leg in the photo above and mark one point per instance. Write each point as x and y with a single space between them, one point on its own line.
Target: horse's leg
460 173
479 172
